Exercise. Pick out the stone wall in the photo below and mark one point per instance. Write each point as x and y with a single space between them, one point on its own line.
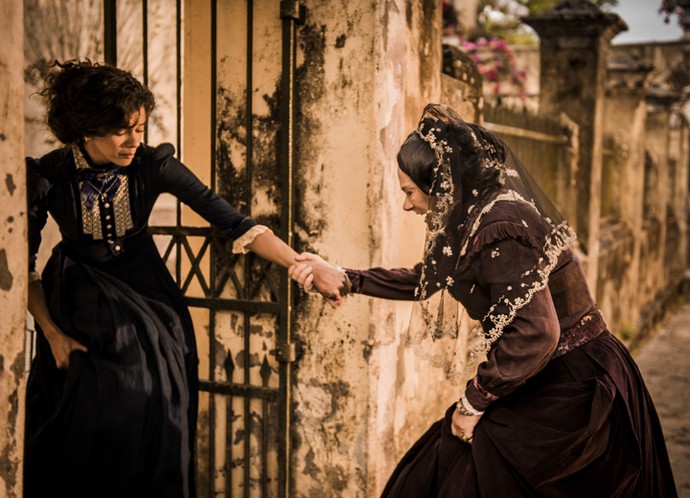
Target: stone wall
630 194
13 254
362 398
365 71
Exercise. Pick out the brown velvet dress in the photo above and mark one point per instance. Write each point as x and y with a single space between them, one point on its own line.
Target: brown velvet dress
566 414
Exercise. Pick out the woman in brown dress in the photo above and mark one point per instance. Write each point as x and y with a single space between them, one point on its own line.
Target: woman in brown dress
551 403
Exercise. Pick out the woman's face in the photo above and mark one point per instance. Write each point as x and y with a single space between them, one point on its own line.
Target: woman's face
415 199
119 148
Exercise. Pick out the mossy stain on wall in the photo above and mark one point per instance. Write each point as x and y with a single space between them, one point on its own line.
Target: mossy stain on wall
310 82
233 181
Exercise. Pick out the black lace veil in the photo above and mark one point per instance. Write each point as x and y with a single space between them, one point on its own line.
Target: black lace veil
473 170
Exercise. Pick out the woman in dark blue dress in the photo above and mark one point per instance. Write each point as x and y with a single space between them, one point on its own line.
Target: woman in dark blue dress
112 393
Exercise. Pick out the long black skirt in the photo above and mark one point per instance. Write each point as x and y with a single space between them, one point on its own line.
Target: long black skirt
120 420
585 426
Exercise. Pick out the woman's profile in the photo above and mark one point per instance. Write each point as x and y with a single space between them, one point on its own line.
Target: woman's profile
549 402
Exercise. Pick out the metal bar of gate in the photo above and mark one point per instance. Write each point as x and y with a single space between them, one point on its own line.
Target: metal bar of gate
145 53
212 269
247 268
291 13
145 37
110 32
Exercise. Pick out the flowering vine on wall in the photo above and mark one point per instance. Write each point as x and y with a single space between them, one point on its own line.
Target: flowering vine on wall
678 8
492 55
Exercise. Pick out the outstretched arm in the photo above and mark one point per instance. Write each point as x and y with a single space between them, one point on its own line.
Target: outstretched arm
396 283
332 284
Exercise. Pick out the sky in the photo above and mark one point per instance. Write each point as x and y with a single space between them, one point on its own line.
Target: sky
644 22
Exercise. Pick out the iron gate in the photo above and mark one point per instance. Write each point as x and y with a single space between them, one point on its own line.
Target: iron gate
241 305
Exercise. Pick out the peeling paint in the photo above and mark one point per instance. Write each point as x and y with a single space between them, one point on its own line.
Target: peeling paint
6 277
9 182
9 470
337 477
17 369
427 61
254 360
232 128
310 468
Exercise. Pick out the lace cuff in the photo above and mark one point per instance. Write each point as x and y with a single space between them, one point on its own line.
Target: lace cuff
478 397
240 244
34 276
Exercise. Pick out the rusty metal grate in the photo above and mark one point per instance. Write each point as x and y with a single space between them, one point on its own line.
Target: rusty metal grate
241 305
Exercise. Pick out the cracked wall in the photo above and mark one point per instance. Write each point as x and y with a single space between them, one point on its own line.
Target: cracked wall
13 255
366 70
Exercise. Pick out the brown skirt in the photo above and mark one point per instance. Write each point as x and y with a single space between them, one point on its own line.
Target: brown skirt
583 426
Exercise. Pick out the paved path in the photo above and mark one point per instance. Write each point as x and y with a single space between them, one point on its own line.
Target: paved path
665 364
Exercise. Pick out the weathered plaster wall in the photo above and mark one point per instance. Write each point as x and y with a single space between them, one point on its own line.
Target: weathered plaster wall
407 394
366 71
60 31
13 256
657 157
658 130
617 291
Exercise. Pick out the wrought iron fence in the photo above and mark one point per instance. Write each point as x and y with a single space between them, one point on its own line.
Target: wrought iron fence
241 305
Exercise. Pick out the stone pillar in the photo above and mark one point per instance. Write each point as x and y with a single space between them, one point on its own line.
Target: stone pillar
13 253
467 14
575 39
627 84
361 397
461 84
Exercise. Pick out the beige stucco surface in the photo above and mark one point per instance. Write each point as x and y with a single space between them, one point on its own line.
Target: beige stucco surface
13 255
362 397
365 70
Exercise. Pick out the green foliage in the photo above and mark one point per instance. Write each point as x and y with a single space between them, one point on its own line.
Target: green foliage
537 7
628 332
499 25
501 19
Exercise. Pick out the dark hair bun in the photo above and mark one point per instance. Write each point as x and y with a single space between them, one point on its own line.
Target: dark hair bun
86 99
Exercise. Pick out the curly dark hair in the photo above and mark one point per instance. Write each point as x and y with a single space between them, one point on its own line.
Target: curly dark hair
87 99
416 158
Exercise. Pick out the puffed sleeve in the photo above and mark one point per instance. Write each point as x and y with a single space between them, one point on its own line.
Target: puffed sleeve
38 188
529 340
175 178
395 283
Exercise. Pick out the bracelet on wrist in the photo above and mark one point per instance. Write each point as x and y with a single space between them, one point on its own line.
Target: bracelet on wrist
465 408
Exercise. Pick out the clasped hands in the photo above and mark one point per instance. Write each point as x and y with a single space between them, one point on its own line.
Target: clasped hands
314 273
